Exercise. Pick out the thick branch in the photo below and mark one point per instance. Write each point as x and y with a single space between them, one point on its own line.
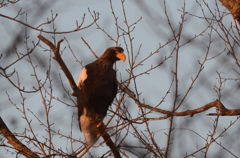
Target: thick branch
222 111
80 98
58 58
15 142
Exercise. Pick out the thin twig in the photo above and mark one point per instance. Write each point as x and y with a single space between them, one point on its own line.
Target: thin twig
15 142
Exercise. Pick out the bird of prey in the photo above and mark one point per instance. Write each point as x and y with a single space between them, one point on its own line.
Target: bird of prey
97 81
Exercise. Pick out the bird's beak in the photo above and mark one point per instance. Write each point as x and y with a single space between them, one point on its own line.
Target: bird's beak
121 56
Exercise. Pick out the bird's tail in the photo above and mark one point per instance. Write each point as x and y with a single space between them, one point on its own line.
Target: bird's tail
89 130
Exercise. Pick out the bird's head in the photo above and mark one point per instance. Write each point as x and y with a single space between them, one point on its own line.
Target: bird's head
114 53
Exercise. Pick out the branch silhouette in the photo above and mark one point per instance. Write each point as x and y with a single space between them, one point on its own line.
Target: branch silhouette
222 110
78 28
15 142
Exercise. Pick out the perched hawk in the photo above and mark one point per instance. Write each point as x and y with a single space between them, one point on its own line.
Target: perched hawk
97 81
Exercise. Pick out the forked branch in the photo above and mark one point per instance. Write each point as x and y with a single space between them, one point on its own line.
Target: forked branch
222 110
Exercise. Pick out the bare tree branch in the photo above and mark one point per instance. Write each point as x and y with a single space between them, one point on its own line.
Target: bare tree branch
78 28
15 142
222 110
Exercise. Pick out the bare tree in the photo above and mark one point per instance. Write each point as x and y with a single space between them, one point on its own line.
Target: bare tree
178 91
